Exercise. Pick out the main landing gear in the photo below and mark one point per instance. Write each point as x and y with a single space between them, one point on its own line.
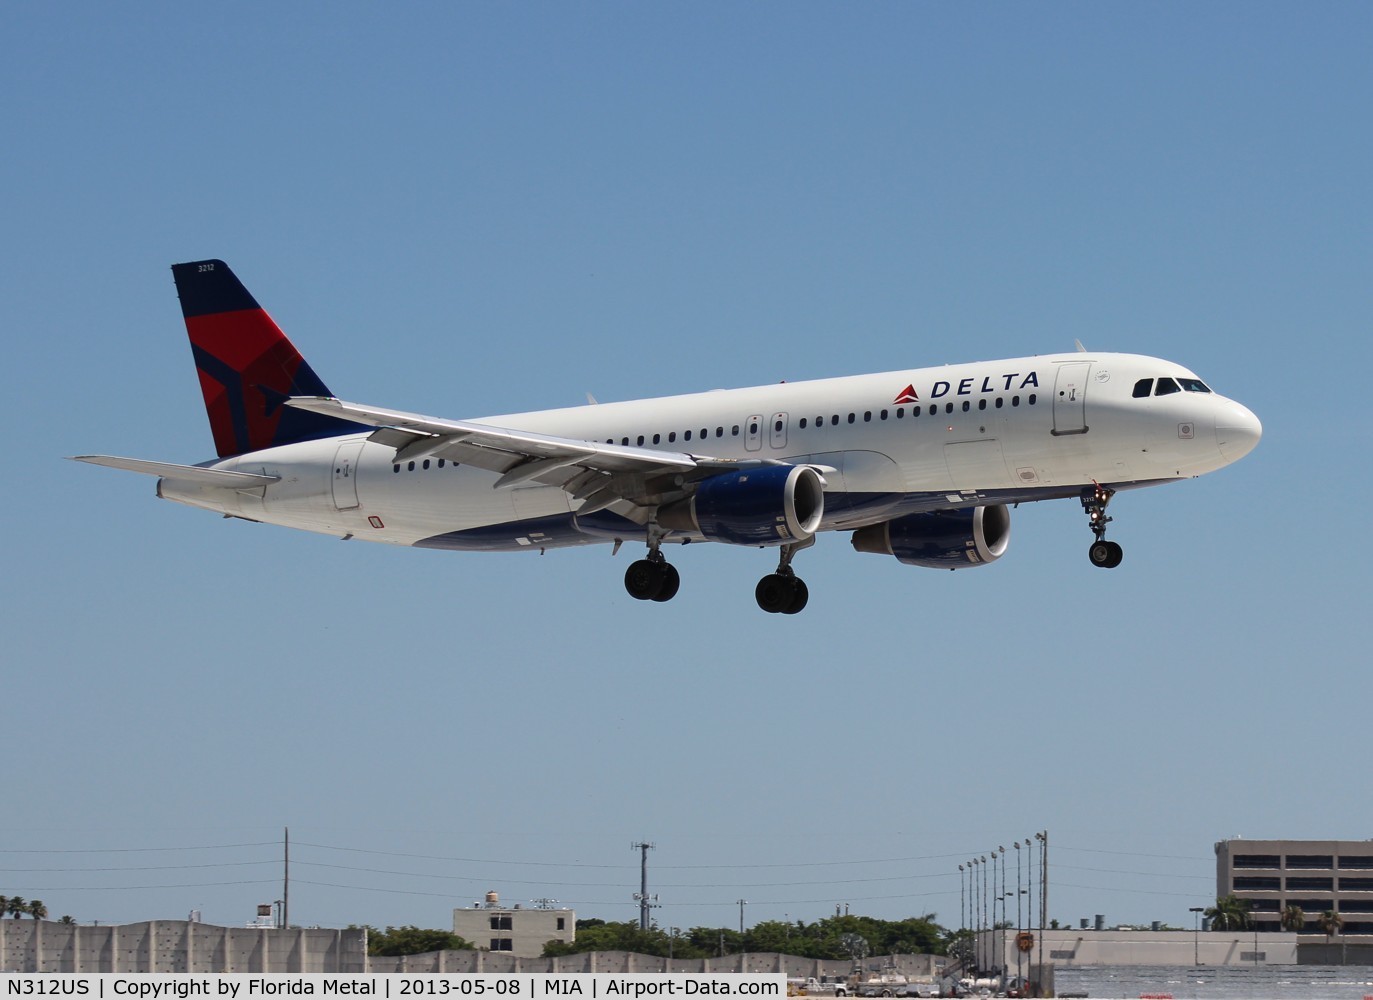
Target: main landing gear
784 592
1102 553
654 578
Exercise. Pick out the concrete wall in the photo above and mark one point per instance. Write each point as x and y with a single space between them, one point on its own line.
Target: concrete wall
923 966
1080 947
177 946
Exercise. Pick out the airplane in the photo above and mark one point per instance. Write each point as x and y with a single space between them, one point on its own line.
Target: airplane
921 464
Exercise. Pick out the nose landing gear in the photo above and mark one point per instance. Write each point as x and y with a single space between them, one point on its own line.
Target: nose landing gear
1107 555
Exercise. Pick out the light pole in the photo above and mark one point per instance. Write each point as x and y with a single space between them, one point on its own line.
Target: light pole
962 900
1020 981
1001 943
1196 912
986 948
1043 838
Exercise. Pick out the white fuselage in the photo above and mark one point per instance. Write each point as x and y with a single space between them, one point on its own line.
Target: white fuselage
887 444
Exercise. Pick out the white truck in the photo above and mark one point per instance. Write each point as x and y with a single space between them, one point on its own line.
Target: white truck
812 987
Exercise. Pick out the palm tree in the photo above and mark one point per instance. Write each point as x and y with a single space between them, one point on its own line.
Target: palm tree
17 906
67 919
1332 923
37 910
4 905
1293 918
1229 914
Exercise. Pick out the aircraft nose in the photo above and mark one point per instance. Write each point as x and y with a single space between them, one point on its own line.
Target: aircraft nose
1237 430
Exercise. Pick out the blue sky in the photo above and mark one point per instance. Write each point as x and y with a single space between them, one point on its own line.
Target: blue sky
485 208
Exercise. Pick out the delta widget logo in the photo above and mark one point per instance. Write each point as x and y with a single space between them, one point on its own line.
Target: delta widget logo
907 395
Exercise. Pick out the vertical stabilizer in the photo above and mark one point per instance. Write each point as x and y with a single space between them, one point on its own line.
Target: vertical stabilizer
246 365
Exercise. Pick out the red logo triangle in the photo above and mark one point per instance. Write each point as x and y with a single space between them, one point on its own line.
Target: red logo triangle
906 395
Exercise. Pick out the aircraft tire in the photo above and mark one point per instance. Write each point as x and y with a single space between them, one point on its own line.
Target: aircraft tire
799 597
775 593
1107 555
644 580
672 580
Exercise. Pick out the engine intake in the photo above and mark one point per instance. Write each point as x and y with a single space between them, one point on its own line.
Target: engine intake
773 505
942 539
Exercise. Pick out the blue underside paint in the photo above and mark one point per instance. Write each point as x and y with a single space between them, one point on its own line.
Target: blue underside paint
842 512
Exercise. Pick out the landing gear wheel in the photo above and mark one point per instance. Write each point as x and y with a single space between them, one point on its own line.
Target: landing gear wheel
1107 555
671 581
781 594
775 593
645 579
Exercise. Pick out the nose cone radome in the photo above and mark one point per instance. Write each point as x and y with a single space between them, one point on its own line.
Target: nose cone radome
1237 430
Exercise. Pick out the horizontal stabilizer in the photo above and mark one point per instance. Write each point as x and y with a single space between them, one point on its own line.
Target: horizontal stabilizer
183 473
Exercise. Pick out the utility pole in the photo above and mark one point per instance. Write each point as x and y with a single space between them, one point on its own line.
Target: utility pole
286 879
742 904
645 900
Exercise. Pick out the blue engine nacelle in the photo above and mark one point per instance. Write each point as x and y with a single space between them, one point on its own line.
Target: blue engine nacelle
771 505
942 539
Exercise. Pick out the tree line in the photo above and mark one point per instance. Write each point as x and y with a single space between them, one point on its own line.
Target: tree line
838 937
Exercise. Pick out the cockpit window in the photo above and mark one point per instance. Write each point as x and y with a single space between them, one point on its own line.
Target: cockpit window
1166 386
1193 385
1143 387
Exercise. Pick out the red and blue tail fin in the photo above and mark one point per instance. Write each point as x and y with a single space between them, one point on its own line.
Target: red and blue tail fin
247 367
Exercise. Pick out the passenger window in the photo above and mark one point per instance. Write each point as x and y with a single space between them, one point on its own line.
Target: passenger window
803 423
686 436
982 404
777 427
426 464
753 427
735 431
1033 397
410 466
641 439
1166 387
999 401
966 406
440 463
1143 387
901 411
672 437
948 407
719 432
867 416
395 468
852 417
657 438
834 418
883 414
624 441
1015 400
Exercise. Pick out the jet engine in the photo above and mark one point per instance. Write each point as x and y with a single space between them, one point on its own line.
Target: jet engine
942 539
772 505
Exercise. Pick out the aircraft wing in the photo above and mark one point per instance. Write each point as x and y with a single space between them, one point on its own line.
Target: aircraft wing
600 475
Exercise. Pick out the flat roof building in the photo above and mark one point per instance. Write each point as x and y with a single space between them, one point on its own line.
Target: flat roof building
1315 875
515 930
